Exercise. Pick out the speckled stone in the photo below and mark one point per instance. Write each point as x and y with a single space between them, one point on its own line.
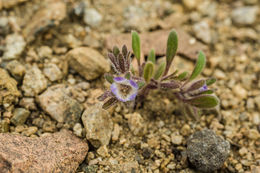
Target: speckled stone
98 125
58 152
207 151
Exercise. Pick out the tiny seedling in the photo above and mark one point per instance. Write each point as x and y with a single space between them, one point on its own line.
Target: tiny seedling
131 85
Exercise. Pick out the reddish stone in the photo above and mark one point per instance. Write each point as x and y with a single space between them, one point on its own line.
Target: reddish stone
58 152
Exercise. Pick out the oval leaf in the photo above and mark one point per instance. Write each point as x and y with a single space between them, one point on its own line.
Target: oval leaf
172 45
182 76
160 71
204 101
200 64
148 71
109 78
151 56
210 81
196 85
116 51
136 46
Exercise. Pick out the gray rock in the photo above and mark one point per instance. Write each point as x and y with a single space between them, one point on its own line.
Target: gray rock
89 63
244 15
16 69
52 72
207 151
59 105
77 129
98 125
34 81
15 45
58 152
20 116
202 31
92 17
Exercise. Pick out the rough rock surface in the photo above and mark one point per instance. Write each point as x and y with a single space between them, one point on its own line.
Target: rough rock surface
59 105
98 125
245 15
58 152
207 151
147 42
16 69
8 89
34 81
52 71
92 17
15 45
51 15
87 62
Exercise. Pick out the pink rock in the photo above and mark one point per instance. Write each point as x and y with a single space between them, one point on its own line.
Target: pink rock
58 152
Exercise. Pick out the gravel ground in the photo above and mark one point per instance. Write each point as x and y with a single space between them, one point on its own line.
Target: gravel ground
53 57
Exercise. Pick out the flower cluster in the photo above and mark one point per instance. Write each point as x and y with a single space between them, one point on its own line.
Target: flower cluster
130 83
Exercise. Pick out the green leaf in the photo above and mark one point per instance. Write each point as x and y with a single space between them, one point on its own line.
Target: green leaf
140 84
204 101
160 71
151 56
128 75
116 51
182 76
200 64
109 78
172 45
148 71
136 45
207 92
210 81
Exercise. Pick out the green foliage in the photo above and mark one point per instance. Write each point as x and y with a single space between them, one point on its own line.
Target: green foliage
151 56
204 101
200 64
148 71
160 71
136 45
172 45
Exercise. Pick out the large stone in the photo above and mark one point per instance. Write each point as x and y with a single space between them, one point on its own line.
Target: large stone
245 15
52 72
58 152
207 151
92 17
34 81
8 89
15 45
59 105
98 125
88 62
187 45
44 18
16 69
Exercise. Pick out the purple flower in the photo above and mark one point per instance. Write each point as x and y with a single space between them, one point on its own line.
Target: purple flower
124 89
203 88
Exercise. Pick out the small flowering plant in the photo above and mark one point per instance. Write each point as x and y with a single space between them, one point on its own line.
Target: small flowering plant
131 84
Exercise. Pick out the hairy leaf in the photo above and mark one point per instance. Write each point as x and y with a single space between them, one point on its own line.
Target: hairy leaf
160 71
196 85
200 64
124 50
151 56
182 76
121 62
140 84
128 75
148 71
116 51
170 85
105 95
136 45
172 45
109 103
109 78
210 81
204 101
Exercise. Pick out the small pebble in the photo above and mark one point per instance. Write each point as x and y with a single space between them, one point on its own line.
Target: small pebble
20 116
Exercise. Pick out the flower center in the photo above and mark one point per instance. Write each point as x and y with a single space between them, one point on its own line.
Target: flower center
124 89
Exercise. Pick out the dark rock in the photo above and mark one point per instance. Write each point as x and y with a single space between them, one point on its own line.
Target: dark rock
207 151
